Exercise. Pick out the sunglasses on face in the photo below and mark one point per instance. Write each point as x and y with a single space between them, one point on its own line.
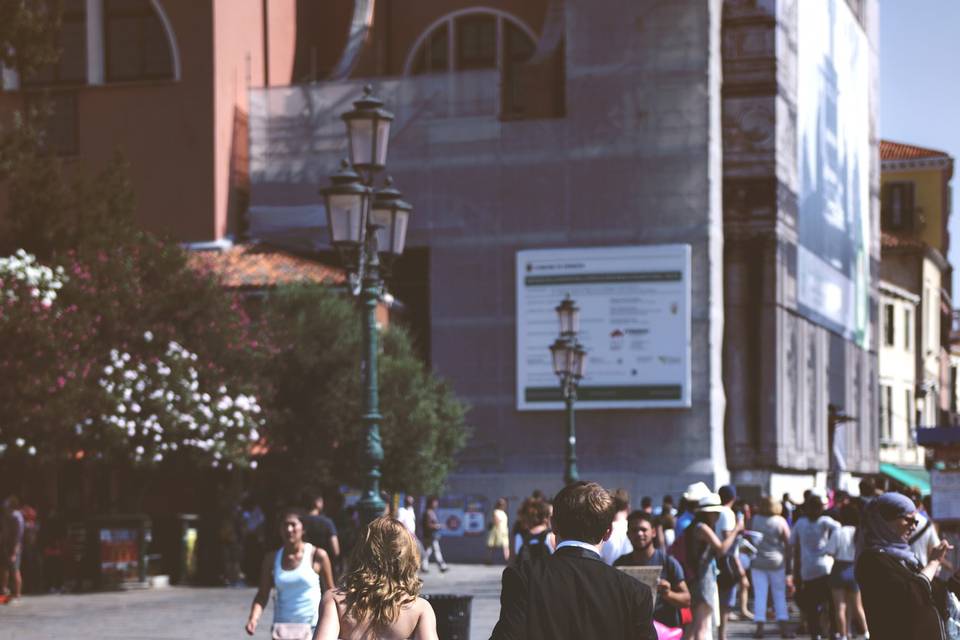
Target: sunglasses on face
910 520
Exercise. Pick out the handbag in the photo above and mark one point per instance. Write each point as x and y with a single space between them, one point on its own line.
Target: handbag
291 631
727 572
667 633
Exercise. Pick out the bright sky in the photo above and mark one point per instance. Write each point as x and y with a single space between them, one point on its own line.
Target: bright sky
920 87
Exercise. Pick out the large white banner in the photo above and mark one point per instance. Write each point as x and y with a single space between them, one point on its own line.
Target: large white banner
833 156
634 322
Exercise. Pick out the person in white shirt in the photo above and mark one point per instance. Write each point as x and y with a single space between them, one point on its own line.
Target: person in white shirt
810 535
842 547
727 593
618 544
406 516
924 537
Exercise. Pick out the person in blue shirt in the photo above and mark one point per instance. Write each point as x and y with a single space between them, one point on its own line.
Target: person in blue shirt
672 592
296 571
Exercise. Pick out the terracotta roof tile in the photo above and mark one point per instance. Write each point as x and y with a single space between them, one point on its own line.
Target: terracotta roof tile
899 151
257 266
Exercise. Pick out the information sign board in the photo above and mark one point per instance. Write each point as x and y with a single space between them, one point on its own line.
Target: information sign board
634 322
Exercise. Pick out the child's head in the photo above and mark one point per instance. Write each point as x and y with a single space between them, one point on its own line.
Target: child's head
384 577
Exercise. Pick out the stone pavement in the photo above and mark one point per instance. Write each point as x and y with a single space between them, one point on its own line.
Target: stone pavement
199 612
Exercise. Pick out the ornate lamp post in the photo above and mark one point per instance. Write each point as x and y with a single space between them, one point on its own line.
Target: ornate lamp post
368 229
569 361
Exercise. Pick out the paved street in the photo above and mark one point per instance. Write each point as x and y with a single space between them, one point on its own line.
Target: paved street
212 612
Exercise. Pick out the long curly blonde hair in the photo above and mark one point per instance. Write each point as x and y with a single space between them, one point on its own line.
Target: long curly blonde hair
384 575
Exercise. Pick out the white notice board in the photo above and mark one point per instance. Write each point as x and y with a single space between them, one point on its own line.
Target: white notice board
945 494
634 322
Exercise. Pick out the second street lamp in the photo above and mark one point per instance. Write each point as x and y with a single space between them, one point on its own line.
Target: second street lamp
363 228
569 363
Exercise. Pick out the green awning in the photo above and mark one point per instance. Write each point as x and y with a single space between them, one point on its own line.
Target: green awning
909 476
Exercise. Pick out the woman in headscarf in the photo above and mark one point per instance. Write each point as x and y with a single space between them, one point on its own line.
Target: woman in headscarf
898 593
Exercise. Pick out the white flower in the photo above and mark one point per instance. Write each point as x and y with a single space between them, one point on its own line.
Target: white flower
20 442
139 450
32 450
148 336
253 464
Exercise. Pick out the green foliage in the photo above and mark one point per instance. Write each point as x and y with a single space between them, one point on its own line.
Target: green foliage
313 424
29 32
121 283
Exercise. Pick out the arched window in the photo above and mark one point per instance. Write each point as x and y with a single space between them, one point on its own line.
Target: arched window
472 39
135 40
109 41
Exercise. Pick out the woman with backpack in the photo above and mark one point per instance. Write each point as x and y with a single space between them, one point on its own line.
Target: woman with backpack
535 539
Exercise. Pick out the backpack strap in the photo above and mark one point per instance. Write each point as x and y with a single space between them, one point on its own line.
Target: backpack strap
920 533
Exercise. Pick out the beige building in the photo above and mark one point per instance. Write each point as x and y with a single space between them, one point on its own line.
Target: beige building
917 380
898 376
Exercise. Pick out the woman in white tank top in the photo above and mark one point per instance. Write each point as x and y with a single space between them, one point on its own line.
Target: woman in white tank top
296 571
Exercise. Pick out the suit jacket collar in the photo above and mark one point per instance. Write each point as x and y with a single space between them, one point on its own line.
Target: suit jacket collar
577 552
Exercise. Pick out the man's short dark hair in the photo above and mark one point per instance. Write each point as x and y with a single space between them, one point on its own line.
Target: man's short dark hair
646 502
727 493
309 498
668 499
583 511
641 515
621 499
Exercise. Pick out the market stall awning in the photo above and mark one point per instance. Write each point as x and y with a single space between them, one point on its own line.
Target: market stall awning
909 476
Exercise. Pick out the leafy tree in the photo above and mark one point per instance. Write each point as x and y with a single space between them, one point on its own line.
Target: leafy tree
120 284
40 356
313 427
28 33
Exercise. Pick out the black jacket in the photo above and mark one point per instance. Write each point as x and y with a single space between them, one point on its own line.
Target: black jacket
900 603
573 595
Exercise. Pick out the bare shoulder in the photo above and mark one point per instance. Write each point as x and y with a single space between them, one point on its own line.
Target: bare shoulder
426 621
422 605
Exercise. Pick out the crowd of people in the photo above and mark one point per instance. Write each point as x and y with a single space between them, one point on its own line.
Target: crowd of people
721 556
873 565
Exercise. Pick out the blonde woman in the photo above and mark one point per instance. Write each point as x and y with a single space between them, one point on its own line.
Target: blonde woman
499 535
379 599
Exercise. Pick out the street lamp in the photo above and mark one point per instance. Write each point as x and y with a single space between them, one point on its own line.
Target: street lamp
569 363
367 226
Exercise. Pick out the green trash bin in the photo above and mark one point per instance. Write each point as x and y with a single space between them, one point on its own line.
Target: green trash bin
453 615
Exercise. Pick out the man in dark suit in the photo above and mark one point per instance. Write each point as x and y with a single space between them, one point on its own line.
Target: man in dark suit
573 594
